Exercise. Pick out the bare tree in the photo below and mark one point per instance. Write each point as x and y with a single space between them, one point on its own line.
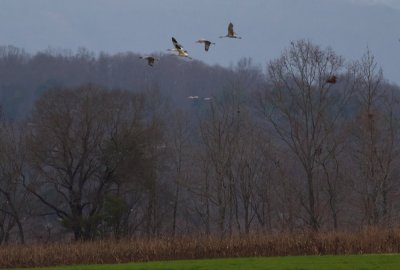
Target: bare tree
74 153
13 197
332 173
179 145
303 108
375 142
252 176
219 132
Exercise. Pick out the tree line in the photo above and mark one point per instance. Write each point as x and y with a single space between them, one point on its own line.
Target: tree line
116 152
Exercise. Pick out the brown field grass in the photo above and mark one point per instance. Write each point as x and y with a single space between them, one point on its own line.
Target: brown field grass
138 250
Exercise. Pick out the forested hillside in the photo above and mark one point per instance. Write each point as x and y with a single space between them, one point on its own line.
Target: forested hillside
24 77
95 146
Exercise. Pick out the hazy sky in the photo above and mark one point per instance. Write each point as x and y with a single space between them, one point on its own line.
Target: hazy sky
267 27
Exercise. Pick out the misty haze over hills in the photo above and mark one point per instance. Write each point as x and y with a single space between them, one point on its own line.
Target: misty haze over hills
347 26
292 128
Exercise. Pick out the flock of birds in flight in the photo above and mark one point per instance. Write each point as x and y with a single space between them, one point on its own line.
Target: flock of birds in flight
180 51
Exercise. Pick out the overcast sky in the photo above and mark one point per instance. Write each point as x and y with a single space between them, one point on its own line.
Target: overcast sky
267 27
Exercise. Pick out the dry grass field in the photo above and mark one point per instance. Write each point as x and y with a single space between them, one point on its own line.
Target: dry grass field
372 241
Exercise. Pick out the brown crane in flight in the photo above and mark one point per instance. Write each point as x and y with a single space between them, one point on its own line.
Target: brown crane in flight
231 33
206 43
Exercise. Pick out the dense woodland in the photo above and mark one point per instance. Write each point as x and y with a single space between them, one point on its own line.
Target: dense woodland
98 146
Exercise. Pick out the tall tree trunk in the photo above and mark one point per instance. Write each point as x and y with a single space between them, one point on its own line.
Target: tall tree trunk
313 219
